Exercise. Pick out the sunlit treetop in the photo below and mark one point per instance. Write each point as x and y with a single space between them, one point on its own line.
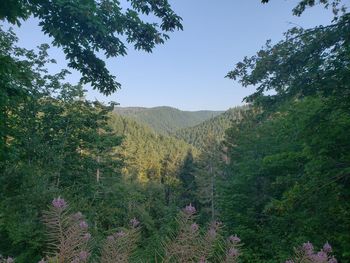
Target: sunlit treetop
336 5
306 62
84 27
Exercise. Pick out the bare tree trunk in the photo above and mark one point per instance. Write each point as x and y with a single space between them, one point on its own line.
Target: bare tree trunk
98 176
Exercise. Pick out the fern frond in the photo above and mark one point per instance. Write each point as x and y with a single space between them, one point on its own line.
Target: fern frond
119 247
68 235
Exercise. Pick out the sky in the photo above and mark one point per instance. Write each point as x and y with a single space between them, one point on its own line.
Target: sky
188 71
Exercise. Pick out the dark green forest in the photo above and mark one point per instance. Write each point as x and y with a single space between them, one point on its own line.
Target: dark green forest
166 120
256 183
213 128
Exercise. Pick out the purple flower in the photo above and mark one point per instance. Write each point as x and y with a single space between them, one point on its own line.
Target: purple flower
10 260
190 210
234 239
83 255
42 261
134 222
233 252
194 227
83 225
308 248
59 203
327 248
87 237
320 257
202 260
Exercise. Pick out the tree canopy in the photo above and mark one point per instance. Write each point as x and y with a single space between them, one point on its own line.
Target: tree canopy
336 5
275 171
307 62
85 28
289 155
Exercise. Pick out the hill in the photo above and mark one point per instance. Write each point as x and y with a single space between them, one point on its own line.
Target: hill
144 151
166 120
214 127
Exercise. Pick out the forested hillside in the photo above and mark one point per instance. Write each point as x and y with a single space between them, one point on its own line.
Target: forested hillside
166 120
214 127
82 181
143 150
288 173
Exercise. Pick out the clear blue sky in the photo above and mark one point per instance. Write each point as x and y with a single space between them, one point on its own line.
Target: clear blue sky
188 71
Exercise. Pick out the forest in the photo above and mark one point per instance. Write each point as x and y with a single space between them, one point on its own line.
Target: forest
86 181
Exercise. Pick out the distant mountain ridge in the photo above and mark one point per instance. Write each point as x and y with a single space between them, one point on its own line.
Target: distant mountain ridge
215 128
166 120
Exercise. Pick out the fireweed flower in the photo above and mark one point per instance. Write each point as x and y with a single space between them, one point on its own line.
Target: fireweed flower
306 252
59 203
134 222
234 239
190 210
308 248
327 248
83 225
320 257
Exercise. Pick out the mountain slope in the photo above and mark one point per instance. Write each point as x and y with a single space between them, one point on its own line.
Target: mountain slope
143 150
166 120
214 127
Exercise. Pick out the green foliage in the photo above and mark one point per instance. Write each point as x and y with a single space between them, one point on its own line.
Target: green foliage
280 178
189 243
188 181
215 126
93 26
166 120
312 62
288 177
144 151
209 166
51 143
287 181
336 5
154 166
